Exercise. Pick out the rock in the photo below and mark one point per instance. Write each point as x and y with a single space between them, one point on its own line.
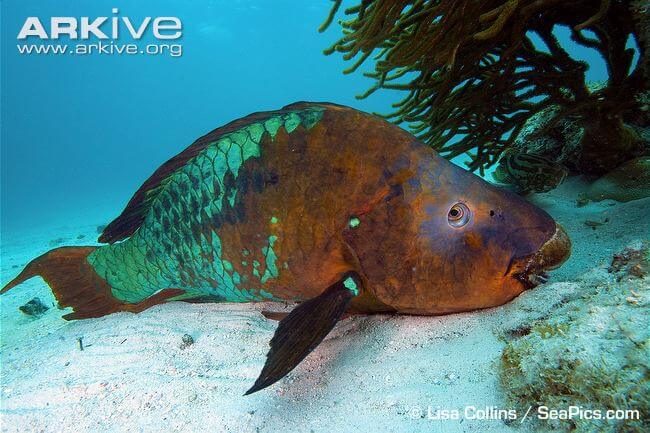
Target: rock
630 181
34 308
590 351
187 341
582 200
633 260
593 224
561 141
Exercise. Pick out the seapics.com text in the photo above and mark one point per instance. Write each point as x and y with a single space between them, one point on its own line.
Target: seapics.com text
101 35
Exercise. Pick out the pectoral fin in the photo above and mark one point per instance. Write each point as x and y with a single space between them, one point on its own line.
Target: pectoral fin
304 328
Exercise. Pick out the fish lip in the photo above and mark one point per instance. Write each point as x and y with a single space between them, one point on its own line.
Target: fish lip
530 269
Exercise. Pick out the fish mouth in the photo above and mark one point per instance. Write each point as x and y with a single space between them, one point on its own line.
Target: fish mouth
531 270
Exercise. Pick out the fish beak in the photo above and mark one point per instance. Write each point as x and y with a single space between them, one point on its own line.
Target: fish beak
554 252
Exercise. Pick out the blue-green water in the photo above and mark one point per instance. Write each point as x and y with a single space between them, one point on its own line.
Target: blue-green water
81 133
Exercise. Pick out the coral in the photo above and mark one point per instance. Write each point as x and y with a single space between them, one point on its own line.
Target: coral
633 260
560 143
556 140
593 351
630 181
473 75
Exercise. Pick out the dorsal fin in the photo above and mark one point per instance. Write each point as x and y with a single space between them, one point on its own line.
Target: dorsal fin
136 210
302 105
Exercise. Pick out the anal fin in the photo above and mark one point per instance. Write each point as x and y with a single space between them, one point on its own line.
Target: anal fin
304 328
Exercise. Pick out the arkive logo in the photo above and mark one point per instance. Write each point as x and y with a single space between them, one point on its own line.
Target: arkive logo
82 28
106 30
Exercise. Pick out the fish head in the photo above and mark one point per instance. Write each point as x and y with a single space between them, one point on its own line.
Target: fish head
453 242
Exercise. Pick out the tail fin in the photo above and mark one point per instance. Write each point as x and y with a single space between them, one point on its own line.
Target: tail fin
75 284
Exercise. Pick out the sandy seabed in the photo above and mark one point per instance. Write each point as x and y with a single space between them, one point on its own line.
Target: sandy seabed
372 373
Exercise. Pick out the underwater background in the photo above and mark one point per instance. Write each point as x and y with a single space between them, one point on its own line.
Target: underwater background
79 135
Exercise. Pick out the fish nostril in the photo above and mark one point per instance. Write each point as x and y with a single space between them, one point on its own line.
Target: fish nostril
491 213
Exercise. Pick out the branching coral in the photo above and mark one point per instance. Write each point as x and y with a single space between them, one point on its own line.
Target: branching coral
473 74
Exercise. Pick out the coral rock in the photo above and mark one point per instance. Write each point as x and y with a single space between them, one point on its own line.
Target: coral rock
592 351
34 308
630 181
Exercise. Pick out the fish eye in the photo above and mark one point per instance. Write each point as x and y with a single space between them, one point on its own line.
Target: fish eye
458 215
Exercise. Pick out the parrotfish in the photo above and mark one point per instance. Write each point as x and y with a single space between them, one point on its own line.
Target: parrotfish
316 203
529 172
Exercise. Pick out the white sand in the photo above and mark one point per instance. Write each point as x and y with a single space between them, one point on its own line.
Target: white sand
371 374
